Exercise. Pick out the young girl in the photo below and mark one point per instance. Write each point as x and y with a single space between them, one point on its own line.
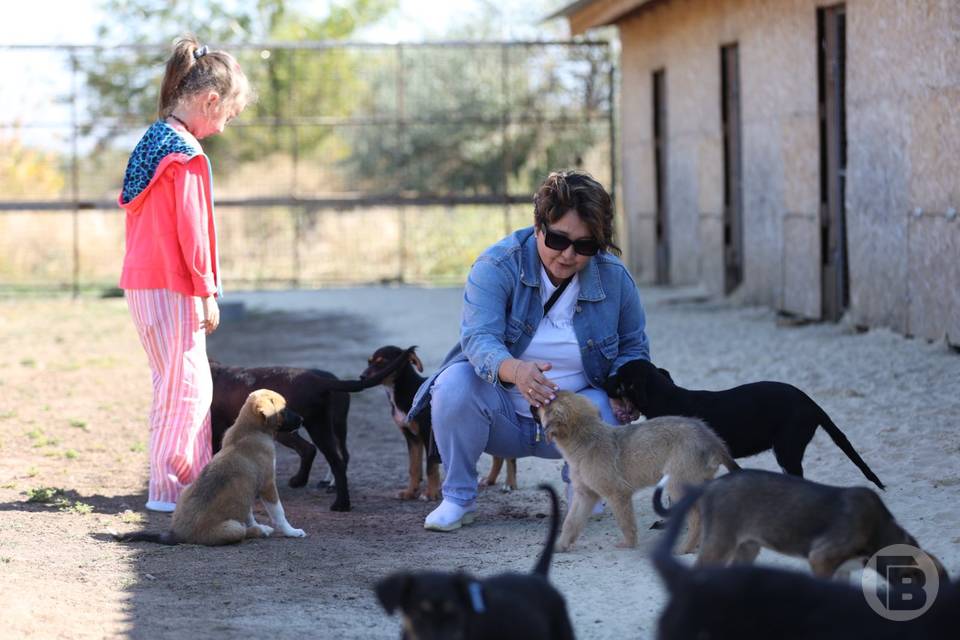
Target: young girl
171 274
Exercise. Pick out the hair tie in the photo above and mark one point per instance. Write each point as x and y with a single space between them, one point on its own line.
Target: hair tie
199 53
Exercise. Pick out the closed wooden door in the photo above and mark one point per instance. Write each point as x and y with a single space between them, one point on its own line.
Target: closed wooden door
831 30
662 228
732 173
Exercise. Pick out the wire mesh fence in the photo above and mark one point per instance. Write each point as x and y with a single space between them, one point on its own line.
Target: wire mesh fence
359 163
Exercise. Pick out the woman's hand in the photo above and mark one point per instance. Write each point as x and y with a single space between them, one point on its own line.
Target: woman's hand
530 381
211 315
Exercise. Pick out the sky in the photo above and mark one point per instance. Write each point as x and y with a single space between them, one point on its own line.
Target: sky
28 79
74 21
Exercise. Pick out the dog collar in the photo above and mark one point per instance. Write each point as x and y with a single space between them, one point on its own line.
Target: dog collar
476 597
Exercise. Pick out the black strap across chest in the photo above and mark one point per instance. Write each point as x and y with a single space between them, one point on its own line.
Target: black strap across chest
555 296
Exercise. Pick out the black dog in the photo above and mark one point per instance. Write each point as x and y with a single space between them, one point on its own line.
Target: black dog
319 396
457 605
750 418
754 603
401 388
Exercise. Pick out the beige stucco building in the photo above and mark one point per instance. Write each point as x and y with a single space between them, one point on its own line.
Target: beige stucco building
803 154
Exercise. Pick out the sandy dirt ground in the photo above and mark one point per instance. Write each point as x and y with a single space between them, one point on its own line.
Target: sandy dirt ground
75 390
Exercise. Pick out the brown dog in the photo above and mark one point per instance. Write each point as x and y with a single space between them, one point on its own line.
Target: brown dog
743 512
615 463
217 508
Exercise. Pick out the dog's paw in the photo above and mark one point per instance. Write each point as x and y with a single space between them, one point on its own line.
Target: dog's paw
297 481
486 482
430 496
265 530
340 506
408 494
623 544
563 547
294 533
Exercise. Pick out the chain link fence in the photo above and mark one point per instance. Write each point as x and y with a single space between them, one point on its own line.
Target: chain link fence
359 163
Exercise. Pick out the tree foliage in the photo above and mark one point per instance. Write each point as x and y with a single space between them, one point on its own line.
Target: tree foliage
123 84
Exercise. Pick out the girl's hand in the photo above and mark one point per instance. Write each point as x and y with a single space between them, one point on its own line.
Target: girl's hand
532 384
211 315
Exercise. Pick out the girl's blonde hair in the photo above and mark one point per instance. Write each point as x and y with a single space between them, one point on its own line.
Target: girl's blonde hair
193 68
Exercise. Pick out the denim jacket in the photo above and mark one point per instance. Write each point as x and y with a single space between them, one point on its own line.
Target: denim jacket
502 308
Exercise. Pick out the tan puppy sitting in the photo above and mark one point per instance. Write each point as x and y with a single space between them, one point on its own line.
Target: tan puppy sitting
217 508
615 463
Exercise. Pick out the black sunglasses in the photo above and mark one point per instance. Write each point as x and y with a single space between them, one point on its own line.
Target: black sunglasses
558 242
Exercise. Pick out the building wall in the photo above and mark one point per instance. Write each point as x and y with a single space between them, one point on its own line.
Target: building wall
903 153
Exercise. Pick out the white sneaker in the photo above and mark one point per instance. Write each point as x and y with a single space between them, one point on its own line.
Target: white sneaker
449 516
163 507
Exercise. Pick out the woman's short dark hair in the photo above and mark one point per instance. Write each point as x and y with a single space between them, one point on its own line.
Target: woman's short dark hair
572 189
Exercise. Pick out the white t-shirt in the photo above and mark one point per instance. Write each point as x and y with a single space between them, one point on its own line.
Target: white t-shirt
555 342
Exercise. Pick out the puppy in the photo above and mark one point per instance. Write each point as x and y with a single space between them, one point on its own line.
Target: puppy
742 512
753 603
750 418
456 605
319 396
217 508
401 387
614 463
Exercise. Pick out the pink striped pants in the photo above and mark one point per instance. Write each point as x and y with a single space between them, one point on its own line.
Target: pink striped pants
180 442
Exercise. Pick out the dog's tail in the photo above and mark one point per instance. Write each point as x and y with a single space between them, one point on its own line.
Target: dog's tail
543 563
147 536
841 441
672 572
662 510
727 460
371 381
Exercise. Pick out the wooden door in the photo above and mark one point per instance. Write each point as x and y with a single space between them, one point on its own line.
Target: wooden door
831 31
660 176
732 172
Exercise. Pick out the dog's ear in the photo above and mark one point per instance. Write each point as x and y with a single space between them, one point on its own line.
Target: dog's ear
266 406
666 374
415 359
393 590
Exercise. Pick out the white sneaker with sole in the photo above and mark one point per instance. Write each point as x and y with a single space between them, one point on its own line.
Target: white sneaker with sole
163 507
449 516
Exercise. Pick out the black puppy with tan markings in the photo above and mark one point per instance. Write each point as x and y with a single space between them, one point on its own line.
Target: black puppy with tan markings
759 603
217 508
750 418
614 463
740 513
401 387
457 606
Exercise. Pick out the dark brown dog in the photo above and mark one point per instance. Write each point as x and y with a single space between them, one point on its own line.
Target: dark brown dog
319 396
508 606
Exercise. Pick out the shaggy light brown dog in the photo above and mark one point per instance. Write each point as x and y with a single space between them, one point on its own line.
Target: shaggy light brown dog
217 508
615 463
